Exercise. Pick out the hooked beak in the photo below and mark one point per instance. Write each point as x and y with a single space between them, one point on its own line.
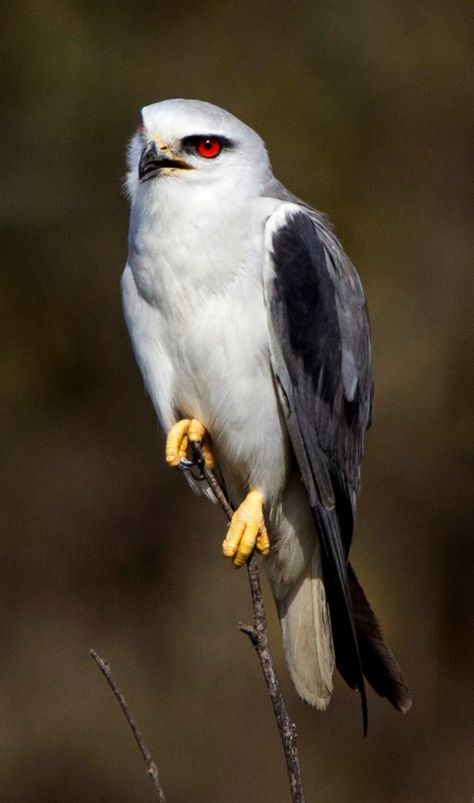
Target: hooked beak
153 160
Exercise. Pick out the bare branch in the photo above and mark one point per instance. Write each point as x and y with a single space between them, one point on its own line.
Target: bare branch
258 636
151 767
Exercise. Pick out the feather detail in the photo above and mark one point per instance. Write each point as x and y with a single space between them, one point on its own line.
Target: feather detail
378 662
307 638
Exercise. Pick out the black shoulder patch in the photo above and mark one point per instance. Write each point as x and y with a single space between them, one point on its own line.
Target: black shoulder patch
306 292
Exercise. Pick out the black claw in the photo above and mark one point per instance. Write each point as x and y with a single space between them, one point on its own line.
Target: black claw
196 462
196 452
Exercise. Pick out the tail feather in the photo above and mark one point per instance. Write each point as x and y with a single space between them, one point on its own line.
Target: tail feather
348 660
307 638
378 662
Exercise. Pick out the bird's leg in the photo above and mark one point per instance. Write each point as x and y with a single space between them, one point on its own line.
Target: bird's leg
247 530
179 439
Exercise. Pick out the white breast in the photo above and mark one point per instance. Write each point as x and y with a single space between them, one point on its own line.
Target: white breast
197 282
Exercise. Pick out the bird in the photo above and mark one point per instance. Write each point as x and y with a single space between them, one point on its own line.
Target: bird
250 328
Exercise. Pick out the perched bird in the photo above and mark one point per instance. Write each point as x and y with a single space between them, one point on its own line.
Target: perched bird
250 328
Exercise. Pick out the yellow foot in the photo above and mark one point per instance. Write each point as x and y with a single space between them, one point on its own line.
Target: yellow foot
181 435
247 530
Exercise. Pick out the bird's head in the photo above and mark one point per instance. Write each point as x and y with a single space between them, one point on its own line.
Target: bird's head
193 143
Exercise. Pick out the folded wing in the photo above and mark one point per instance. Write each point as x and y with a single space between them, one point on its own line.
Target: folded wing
321 359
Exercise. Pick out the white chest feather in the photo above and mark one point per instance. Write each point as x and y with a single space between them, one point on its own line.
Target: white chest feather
194 304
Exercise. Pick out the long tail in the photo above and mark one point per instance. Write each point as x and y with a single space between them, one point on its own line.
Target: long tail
378 662
308 641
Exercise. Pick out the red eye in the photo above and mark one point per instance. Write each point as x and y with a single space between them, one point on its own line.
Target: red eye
209 147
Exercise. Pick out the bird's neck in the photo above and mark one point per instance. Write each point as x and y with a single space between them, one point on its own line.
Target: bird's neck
183 246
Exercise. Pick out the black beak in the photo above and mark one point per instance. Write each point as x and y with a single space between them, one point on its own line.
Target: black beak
152 161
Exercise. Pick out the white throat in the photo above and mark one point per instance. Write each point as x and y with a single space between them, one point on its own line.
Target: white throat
186 240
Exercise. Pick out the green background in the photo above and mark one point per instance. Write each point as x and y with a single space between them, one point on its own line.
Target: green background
365 108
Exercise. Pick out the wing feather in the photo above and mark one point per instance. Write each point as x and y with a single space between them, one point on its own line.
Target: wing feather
321 361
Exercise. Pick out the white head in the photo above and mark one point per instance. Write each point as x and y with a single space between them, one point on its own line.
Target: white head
194 144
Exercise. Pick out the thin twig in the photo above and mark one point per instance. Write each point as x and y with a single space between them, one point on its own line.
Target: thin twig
258 636
151 767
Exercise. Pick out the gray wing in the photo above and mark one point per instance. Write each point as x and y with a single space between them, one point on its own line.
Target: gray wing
321 355
321 362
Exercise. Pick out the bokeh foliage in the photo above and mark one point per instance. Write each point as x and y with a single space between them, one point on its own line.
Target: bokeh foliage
366 110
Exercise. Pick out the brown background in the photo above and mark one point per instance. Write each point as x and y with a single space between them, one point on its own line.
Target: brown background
365 109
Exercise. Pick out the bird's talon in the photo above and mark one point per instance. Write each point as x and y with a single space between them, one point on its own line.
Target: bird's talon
197 453
247 530
263 542
196 431
184 436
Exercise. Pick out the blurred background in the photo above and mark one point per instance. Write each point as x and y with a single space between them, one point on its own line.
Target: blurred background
365 108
